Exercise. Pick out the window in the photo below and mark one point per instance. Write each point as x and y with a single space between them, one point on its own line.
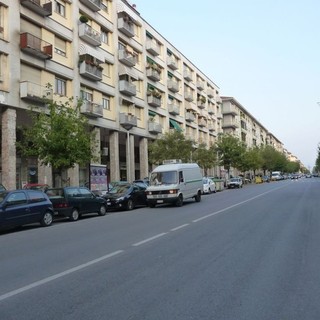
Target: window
86 95
60 8
17 198
106 103
60 46
60 87
36 196
105 36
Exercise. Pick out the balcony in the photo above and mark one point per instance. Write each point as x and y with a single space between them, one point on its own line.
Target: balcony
187 74
92 109
127 120
153 74
173 109
190 117
219 115
35 46
210 109
127 88
126 26
201 104
173 85
154 127
44 10
91 70
211 127
229 123
188 96
202 122
200 85
210 93
94 5
191 106
153 47
154 101
34 92
127 58
89 35
230 109
172 63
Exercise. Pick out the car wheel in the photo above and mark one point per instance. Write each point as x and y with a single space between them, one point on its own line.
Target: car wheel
179 201
198 197
103 210
74 215
47 219
130 204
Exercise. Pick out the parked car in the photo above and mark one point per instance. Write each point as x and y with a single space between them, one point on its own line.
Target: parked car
36 186
266 179
72 202
20 207
208 185
126 196
234 183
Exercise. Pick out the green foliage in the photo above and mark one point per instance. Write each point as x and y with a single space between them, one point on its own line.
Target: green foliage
273 160
59 137
230 151
173 145
206 158
251 160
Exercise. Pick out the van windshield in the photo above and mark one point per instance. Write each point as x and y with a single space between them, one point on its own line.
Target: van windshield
161 178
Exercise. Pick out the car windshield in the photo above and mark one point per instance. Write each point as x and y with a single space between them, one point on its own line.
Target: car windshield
2 195
120 189
234 179
160 178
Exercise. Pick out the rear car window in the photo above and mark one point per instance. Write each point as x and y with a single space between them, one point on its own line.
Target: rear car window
36 196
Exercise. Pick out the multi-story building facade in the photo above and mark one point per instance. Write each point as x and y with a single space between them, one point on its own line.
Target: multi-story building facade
240 123
135 84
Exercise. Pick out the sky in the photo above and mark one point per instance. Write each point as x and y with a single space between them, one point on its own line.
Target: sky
265 54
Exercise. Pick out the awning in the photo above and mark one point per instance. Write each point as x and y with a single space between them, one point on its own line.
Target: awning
151 113
175 125
128 71
85 49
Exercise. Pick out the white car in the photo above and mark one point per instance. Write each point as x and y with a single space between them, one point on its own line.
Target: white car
208 185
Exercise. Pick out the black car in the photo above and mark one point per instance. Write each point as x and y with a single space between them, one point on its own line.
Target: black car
20 207
72 202
126 196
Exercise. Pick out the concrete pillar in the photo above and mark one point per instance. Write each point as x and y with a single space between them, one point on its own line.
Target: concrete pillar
131 159
143 157
45 174
96 145
8 154
114 156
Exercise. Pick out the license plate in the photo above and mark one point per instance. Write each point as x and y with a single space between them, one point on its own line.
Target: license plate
159 201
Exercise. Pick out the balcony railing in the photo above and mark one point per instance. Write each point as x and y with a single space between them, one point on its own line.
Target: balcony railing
187 75
44 10
200 85
35 46
34 92
172 63
154 101
201 104
126 26
127 120
153 47
173 85
154 127
190 117
188 96
127 58
202 122
127 88
88 34
91 71
153 74
173 109
230 109
230 123
92 109
94 5
210 93
210 109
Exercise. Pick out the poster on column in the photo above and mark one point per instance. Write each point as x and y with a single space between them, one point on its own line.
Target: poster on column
98 177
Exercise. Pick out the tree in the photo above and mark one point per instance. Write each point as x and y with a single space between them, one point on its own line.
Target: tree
59 136
251 160
173 145
230 151
205 157
273 160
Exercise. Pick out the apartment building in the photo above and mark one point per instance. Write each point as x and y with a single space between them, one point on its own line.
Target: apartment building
134 83
240 123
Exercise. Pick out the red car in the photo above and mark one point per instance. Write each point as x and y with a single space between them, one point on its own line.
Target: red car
36 186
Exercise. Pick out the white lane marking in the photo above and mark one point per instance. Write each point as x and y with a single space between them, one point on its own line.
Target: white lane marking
235 205
149 239
58 275
180 227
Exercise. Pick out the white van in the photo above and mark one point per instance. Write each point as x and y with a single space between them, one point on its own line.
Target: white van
174 182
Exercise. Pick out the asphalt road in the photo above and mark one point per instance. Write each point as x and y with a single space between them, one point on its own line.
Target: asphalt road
251 253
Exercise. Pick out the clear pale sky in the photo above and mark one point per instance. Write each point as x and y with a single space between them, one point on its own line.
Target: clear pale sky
265 54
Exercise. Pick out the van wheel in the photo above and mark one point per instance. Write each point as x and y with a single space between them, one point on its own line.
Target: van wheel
103 210
179 201
47 219
74 215
198 197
